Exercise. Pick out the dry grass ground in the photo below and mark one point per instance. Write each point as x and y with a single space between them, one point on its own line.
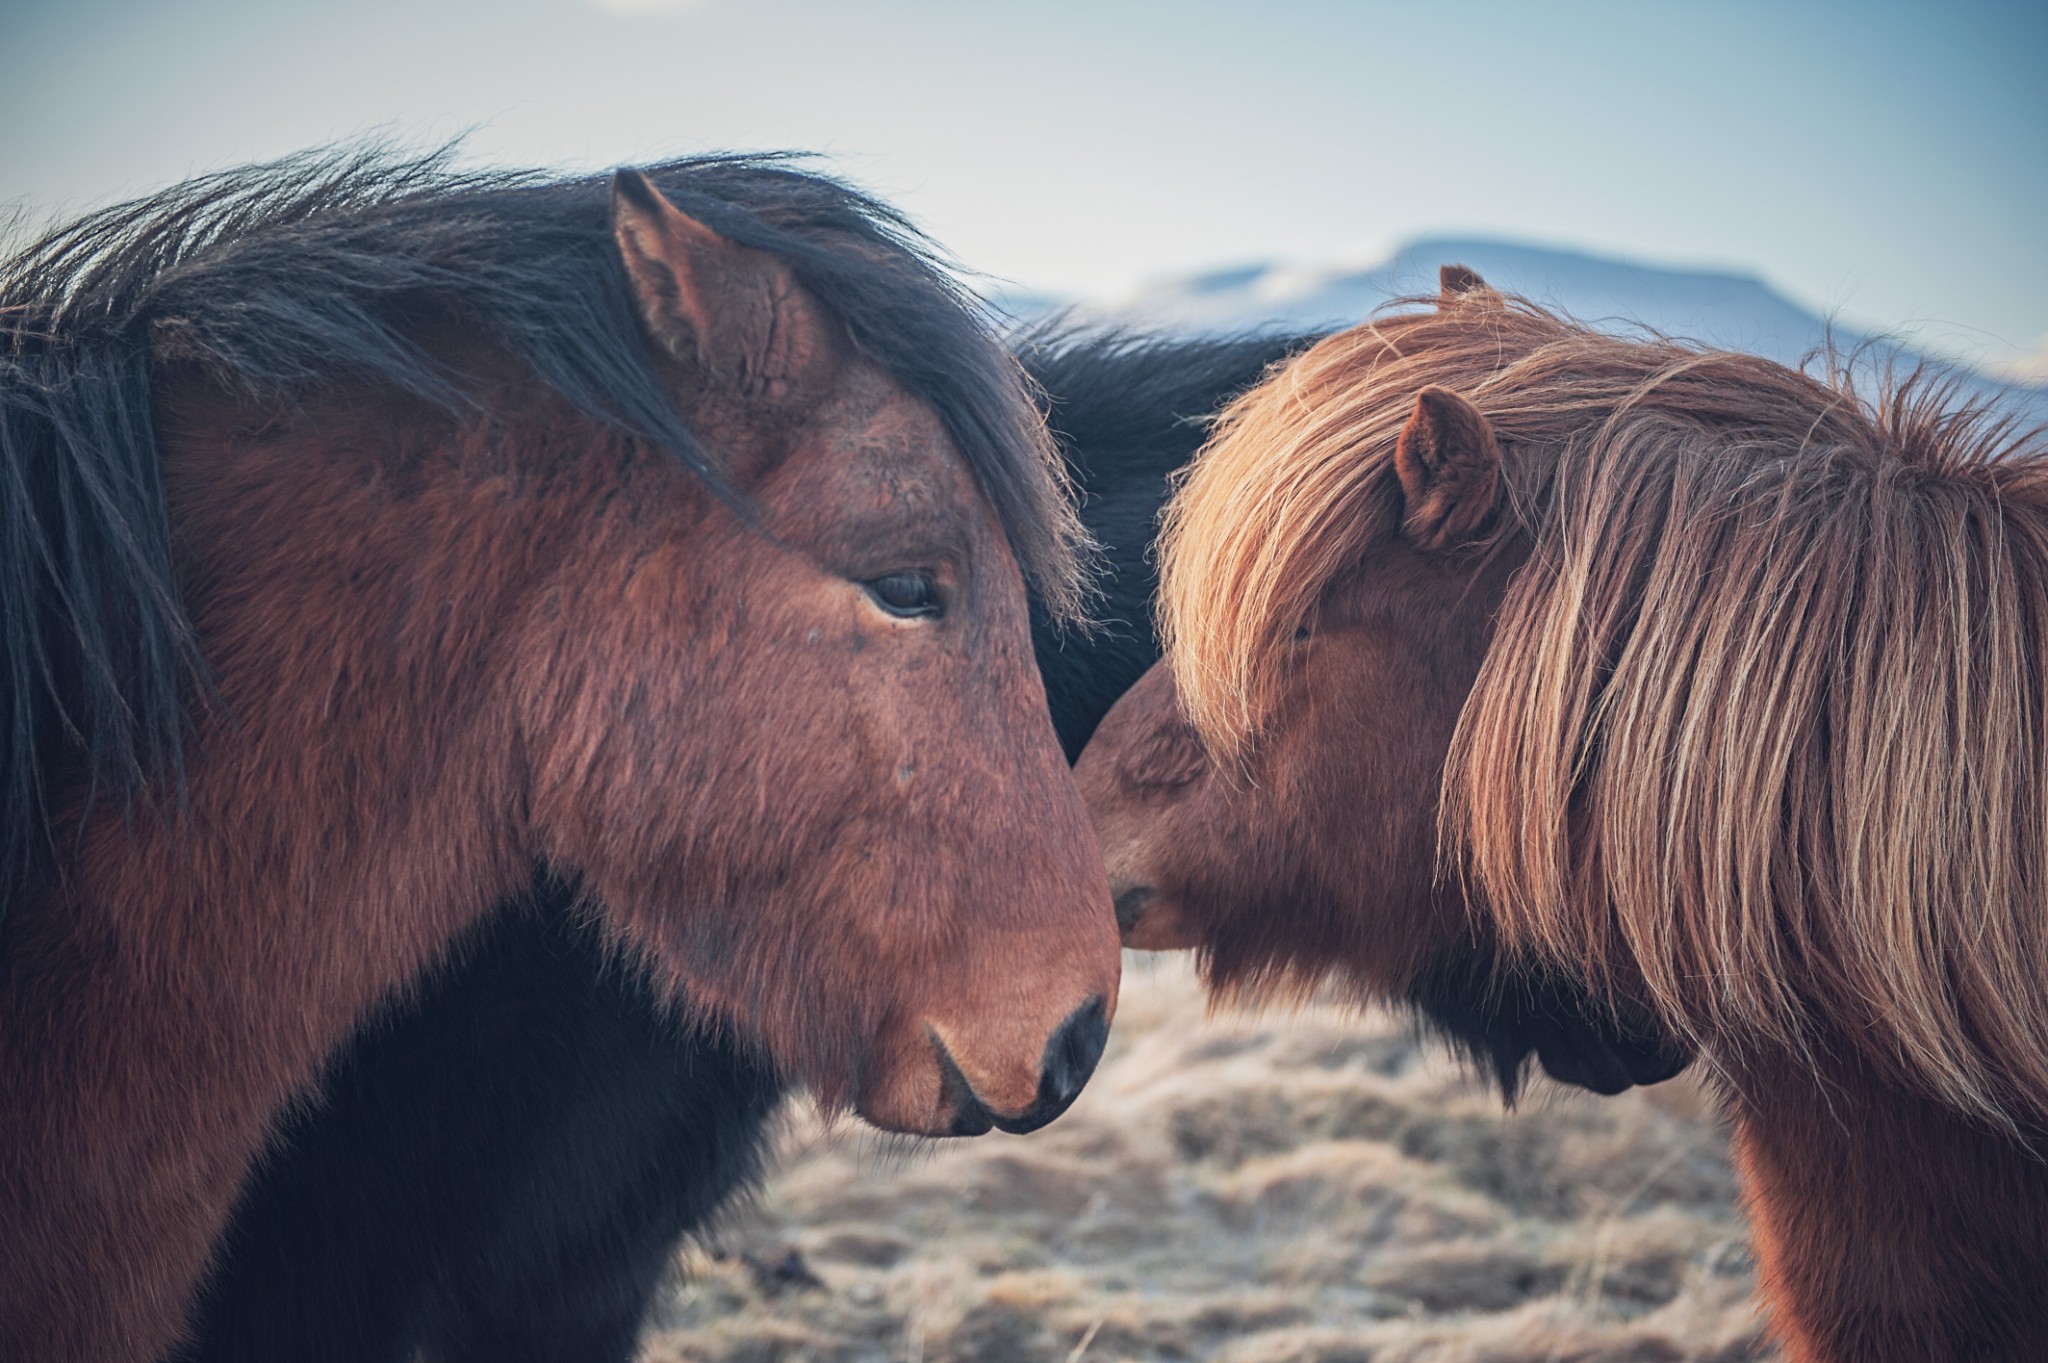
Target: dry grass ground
1310 1186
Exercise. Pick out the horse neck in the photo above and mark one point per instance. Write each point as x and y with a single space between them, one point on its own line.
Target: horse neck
346 813
1889 1229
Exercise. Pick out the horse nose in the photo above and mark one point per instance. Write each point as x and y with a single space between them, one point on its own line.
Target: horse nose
1130 907
1148 920
1071 1053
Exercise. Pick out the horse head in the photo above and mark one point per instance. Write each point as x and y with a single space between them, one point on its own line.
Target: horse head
819 716
1285 822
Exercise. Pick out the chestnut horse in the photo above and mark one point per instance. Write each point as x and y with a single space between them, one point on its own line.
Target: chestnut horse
500 1170
1675 672
377 535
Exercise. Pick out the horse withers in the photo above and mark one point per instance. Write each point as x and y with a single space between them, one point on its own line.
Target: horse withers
376 535
1685 678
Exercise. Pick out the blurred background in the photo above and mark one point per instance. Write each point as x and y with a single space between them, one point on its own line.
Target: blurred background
1737 171
1254 1189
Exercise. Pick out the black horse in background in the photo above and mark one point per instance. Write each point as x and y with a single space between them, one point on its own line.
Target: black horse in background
501 1170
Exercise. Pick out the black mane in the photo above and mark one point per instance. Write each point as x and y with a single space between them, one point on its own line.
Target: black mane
278 277
1146 400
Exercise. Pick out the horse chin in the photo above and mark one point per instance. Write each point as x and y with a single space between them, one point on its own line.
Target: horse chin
1609 1065
906 1106
1652 1061
1584 1064
1503 1019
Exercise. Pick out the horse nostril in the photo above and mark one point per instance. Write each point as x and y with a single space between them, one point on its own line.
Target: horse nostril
1071 1054
1070 1057
1130 907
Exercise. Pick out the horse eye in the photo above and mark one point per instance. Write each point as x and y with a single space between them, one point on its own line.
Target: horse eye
907 595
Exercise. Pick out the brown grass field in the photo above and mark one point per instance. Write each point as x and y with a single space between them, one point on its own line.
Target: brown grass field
1308 1185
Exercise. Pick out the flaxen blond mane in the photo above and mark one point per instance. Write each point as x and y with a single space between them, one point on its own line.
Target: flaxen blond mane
1762 724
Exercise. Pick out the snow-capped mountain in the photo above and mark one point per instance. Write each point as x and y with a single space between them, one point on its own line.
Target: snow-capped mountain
1739 312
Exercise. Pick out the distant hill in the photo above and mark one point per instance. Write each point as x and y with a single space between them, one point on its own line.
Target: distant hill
1739 312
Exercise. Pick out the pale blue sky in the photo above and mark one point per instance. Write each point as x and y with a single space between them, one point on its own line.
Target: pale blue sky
1885 161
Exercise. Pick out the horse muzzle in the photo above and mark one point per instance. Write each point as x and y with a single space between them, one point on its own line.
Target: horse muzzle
954 1104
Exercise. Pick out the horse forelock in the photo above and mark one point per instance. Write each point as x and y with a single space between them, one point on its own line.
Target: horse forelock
277 278
905 310
1290 490
1760 731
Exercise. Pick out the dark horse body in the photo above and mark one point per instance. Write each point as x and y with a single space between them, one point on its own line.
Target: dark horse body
376 539
502 1171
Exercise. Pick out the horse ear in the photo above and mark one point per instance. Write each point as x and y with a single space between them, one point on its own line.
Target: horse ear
1449 466
1455 281
732 314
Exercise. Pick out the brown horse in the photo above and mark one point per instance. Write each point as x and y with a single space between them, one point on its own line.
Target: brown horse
1674 672
376 535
